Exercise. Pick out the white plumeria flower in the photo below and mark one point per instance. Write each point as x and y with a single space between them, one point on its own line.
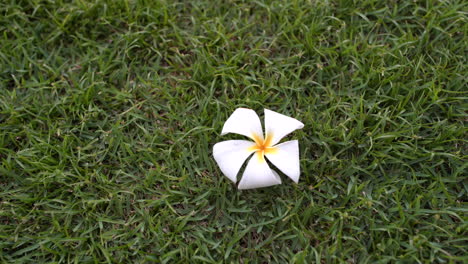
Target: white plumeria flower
231 154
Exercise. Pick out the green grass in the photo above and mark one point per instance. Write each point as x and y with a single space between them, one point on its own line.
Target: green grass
109 111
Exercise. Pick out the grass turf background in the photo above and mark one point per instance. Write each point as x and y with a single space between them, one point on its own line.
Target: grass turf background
110 109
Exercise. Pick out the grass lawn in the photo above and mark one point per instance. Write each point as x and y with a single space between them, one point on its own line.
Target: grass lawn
109 111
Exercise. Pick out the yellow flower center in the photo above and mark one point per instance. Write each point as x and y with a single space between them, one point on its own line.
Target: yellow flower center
263 146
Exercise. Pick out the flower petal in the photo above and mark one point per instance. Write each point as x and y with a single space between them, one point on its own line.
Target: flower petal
258 174
278 125
230 155
245 122
286 158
